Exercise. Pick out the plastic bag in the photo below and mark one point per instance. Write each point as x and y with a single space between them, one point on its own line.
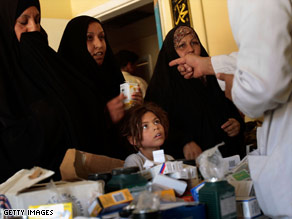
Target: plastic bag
212 165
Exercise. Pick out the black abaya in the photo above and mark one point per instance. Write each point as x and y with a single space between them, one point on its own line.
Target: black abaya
45 106
196 109
106 78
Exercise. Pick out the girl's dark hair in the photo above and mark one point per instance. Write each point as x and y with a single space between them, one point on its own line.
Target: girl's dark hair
132 122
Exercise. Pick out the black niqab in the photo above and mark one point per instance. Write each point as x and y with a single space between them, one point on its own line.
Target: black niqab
196 109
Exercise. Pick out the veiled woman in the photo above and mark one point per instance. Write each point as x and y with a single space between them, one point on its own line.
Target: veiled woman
200 115
85 46
46 107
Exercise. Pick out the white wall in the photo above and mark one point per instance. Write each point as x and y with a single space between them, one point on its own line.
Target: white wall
54 29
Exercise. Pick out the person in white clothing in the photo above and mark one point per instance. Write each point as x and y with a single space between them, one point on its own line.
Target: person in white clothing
128 61
262 85
209 66
146 127
224 64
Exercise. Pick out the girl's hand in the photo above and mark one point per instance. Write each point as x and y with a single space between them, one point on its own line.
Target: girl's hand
231 127
192 150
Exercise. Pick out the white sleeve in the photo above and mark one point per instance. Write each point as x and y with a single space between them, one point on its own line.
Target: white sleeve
134 160
224 63
262 29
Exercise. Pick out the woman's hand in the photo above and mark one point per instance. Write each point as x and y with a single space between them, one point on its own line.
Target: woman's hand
231 127
138 97
192 150
116 108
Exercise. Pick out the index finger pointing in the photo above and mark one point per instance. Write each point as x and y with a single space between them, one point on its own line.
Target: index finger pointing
177 62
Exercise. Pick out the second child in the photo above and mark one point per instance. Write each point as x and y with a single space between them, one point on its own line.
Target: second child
146 128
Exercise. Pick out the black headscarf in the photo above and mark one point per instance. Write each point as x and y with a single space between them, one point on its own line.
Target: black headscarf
105 78
45 106
73 47
196 108
24 4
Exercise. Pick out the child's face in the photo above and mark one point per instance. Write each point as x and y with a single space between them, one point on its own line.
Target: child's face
153 132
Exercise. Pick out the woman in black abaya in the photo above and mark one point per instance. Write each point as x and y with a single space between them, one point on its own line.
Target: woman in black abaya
199 113
85 46
106 74
45 106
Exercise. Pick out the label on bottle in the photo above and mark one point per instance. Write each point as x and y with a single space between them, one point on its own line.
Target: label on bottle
227 205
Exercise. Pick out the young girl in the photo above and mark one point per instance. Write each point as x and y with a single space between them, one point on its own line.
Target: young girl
146 128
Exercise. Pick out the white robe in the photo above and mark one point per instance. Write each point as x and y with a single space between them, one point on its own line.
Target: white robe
263 86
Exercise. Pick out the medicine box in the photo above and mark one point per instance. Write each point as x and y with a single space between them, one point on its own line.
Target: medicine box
128 89
247 207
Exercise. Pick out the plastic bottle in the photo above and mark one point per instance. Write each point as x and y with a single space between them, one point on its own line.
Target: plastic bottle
125 178
219 196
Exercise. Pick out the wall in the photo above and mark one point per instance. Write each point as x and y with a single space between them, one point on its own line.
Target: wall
55 29
219 34
79 6
59 9
141 40
56 14
67 8
211 22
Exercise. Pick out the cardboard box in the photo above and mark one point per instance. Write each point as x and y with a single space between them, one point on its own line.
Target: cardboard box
115 200
164 168
22 191
79 193
243 188
247 207
110 202
60 211
78 165
195 191
167 195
